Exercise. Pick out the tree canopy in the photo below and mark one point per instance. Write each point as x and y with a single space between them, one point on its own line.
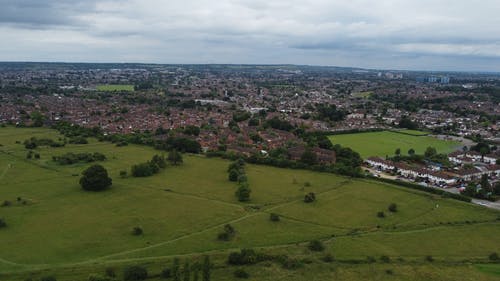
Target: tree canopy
95 178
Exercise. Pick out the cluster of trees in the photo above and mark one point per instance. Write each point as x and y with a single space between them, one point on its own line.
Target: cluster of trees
78 140
236 173
188 271
430 154
278 124
149 168
95 178
329 112
71 130
73 158
406 123
35 142
483 189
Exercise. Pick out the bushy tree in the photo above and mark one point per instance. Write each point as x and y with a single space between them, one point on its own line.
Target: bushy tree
176 269
206 268
393 207
243 192
2 223
135 273
316 245
95 178
175 157
310 197
309 157
241 273
274 217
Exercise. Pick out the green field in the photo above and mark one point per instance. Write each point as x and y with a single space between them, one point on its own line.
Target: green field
385 143
115 88
70 233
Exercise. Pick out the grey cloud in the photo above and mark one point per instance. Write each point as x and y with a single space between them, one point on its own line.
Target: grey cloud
40 14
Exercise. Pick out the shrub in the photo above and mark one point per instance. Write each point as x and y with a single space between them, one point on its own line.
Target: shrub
241 273
137 231
328 258
370 259
316 245
96 277
123 174
110 272
243 257
6 203
389 271
429 258
310 197
289 263
393 207
135 273
166 273
227 234
385 259
2 223
381 214
494 257
274 217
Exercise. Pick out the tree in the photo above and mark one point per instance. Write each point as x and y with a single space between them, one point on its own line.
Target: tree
496 188
196 271
186 270
243 192
411 152
310 197
95 178
206 268
233 174
135 273
2 223
485 183
176 269
393 207
309 157
398 151
430 151
175 157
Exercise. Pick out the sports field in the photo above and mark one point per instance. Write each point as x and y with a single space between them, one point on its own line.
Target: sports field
69 233
385 143
115 88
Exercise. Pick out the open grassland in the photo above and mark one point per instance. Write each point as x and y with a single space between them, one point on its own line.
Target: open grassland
113 88
70 233
386 142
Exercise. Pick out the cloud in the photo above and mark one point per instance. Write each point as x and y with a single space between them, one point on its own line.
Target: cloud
364 33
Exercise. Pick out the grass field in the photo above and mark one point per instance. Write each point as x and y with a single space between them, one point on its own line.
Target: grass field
115 87
70 233
386 142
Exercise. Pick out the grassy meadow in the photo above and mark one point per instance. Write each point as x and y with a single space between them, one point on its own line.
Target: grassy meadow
69 233
386 142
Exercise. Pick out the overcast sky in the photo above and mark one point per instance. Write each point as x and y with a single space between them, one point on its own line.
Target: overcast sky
391 34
